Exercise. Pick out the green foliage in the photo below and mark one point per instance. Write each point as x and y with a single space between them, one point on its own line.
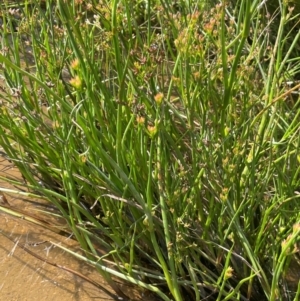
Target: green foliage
165 131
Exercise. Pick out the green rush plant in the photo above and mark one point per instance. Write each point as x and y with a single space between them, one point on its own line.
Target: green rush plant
167 133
